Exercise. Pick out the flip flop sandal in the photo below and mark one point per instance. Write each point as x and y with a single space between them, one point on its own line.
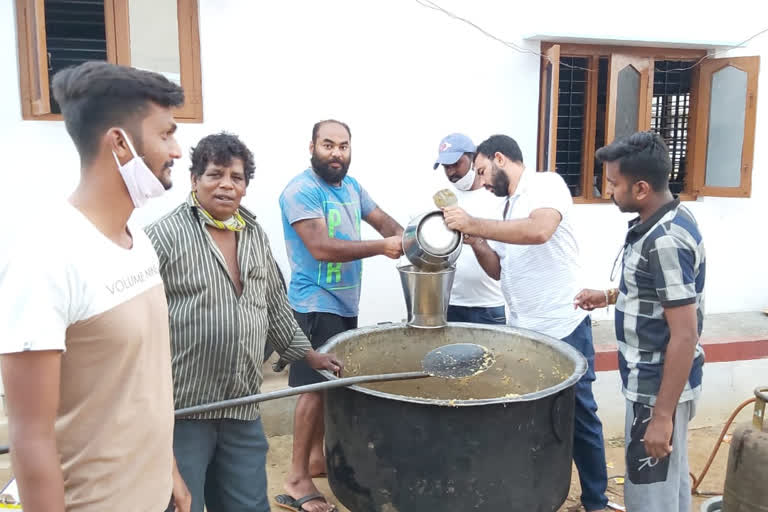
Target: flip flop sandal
287 502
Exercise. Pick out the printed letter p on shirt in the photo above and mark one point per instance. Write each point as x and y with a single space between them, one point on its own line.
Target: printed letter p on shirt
334 221
333 270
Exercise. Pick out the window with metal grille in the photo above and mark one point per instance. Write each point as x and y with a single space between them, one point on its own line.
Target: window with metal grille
570 121
74 33
162 37
670 111
600 92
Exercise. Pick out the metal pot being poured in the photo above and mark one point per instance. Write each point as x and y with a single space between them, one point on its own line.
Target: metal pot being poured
429 244
432 248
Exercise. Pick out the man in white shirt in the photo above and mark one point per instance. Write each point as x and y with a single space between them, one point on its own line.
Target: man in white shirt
475 296
535 256
84 341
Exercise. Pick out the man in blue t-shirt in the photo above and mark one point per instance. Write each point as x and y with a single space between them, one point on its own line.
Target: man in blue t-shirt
322 208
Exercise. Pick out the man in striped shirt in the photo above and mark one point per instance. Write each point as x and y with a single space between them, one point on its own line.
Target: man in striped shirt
535 255
659 318
225 301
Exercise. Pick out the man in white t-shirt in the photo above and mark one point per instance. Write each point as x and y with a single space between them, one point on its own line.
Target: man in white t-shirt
533 252
475 296
84 340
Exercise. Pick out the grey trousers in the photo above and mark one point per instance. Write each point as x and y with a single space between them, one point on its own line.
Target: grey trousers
657 485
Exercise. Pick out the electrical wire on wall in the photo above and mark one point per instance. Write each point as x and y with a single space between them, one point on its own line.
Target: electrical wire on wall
430 4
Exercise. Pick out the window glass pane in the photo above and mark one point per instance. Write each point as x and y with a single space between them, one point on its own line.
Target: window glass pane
570 121
725 138
627 101
75 33
155 37
670 114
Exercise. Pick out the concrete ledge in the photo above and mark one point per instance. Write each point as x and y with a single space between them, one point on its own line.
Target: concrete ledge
726 337
717 351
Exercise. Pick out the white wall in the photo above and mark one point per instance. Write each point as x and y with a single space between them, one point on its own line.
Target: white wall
402 76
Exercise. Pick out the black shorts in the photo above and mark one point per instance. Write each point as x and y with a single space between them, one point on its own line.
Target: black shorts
318 328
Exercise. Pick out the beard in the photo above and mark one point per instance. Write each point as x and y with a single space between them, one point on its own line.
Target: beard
166 182
624 207
499 181
324 170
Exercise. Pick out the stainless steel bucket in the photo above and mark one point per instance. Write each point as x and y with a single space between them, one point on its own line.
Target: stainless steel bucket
429 244
426 295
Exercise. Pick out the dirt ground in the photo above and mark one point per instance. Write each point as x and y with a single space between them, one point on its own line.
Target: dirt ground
700 443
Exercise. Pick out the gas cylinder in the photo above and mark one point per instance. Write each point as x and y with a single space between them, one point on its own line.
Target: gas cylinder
746 480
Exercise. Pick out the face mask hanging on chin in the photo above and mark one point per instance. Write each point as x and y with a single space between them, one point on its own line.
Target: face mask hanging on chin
141 183
465 182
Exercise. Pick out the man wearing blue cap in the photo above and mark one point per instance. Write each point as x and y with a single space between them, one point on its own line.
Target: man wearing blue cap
475 297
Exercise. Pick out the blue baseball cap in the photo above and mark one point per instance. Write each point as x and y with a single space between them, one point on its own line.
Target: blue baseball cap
452 147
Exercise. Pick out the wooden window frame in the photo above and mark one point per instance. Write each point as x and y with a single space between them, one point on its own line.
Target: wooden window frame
548 127
750 65
33 79
644 67
696 143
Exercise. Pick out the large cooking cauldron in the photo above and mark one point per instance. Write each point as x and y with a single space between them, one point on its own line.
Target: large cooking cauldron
501 440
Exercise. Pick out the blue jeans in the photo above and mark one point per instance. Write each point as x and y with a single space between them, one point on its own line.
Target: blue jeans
223 464
588 445
479 315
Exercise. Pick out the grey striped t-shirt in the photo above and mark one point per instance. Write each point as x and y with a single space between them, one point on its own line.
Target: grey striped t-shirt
663 266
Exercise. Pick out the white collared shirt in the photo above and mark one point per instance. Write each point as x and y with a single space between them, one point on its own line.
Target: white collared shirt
539 282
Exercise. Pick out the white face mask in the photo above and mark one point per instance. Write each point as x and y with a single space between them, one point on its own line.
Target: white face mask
141 183
465 183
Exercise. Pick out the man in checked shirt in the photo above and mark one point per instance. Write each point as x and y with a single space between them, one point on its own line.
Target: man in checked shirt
225 301
659 317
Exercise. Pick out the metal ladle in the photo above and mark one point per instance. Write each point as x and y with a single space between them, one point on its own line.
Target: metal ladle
453 361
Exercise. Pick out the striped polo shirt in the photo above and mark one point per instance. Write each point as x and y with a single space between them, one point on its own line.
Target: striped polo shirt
540 281
218 338
663 266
